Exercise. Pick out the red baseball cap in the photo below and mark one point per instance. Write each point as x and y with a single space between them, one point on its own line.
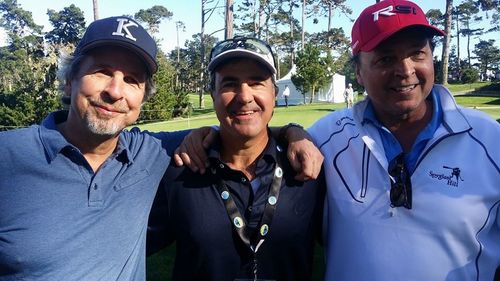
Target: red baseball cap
379 21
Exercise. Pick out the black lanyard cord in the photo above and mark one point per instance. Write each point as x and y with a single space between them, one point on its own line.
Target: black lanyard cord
238 221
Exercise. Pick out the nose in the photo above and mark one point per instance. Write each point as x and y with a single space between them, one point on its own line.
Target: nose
245 94
114 87
405 68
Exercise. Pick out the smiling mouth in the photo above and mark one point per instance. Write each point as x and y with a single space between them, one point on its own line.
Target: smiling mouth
107 110
244 113
404 89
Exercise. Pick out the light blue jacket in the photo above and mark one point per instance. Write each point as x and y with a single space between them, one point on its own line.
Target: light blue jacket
453 230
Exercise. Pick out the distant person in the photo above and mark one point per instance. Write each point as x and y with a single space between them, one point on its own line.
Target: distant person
286 94
349 95
247 218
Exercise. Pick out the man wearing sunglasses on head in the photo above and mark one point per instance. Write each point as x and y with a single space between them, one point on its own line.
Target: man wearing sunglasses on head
425 205
247 217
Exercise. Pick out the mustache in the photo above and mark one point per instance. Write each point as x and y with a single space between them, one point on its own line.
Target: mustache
118 106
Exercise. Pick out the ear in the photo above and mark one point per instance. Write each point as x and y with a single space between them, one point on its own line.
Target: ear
359 77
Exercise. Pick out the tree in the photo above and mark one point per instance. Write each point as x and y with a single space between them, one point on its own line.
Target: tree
95 9
488 55
465 14
153 17
160 106
190 63
69 25
446 42
312 70
27 70
327 8
494 7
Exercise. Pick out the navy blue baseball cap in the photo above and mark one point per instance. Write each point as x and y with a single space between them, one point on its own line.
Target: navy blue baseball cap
120 31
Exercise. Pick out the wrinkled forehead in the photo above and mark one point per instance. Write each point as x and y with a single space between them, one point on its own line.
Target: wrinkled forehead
117 58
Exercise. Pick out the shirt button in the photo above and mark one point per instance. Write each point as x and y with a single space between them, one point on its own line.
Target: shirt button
95 186
249 209
243 180
221 166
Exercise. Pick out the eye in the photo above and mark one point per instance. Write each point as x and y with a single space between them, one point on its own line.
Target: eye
229 85
254 84
131 80
419 55
102 71
385 60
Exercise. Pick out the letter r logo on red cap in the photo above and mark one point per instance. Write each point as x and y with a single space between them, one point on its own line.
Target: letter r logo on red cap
387 11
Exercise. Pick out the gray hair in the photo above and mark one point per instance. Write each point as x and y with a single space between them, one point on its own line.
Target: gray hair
68 69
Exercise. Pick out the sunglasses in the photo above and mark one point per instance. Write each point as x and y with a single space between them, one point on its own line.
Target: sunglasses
400 193
240 42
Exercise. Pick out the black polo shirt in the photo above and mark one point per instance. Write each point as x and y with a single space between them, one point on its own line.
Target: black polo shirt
188 209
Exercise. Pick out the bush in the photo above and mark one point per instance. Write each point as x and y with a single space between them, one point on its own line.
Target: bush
469 75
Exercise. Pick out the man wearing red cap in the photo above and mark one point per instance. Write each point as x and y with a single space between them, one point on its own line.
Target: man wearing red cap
426 203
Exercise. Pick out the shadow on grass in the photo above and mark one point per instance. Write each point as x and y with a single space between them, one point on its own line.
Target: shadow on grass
494 102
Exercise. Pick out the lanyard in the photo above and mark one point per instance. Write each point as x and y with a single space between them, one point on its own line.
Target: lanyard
238 221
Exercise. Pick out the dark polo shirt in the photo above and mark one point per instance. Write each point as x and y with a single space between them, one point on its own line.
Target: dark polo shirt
188 209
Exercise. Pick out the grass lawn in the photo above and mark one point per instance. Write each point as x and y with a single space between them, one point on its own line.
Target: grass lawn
302 114
159 265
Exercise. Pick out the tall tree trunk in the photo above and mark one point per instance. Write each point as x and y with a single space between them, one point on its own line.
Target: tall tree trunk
459 68
468 42
330 36
290 18
201 97
96 10
446 42
229 20
303 20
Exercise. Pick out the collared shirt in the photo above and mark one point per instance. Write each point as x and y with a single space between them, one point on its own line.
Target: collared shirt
391 145
191 212
60 220
452 231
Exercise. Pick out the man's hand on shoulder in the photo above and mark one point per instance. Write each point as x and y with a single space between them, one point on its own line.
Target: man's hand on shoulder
191 152
304 156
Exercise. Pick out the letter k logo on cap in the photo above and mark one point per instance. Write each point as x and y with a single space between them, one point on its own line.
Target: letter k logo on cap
122 29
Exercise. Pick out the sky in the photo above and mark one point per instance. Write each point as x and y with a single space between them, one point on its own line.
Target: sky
189 12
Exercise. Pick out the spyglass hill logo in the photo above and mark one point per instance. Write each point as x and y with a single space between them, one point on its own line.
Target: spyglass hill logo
452 179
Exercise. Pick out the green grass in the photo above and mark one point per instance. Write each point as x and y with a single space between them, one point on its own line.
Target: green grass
160 265
457 88
302 114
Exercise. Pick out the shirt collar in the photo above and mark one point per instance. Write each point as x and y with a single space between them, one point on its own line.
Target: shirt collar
54 142
268 155
370 117
391 151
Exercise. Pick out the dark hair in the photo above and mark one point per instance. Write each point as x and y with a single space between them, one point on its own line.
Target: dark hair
68 69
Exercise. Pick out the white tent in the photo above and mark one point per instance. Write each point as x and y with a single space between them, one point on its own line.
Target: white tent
295 96
333 92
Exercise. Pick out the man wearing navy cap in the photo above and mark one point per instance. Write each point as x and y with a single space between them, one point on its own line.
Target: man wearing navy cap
247 218
426 204
75 192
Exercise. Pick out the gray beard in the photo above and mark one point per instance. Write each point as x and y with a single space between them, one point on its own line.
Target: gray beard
102 127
